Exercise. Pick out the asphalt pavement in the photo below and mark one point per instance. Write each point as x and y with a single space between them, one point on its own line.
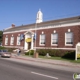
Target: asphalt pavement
59 67
11 70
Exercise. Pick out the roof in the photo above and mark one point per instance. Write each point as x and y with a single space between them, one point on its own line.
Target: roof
42 24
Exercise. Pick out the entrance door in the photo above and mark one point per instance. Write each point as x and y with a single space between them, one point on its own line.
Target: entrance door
29 45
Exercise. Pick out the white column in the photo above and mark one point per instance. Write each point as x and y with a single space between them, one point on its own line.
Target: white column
25 44
32 42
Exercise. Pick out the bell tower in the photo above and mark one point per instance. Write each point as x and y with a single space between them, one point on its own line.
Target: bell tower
39 18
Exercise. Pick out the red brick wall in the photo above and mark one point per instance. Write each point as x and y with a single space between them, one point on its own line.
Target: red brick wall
61 36
15 39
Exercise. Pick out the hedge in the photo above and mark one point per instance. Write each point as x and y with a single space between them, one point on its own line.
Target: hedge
70 54
9 49
30 52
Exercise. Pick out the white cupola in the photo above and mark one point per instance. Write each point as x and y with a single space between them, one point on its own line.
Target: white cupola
39 17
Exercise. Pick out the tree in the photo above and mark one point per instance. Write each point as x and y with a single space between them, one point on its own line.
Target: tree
1 36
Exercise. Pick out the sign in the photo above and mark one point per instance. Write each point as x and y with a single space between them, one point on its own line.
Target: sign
28 40
77 51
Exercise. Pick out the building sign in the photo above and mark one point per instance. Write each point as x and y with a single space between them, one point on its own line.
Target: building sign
28 40
77 51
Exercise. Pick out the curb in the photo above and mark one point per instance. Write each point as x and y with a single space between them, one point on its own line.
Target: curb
47 62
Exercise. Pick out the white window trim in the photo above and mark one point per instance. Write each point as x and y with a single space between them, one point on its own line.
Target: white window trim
40 41
6 41
65 41
17 41
11 40
51 41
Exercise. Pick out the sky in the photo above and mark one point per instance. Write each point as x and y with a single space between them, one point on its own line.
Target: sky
24 12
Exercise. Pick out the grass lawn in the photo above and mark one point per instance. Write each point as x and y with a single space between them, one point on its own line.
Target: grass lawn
57 58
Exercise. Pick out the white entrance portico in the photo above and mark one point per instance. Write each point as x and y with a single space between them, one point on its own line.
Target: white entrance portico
28 43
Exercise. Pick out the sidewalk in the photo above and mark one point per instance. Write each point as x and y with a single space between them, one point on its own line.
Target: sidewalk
48 61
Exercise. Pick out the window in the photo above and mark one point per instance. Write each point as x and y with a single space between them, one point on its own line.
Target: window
12 40
54 38
18 40
6 40
69 38
42 39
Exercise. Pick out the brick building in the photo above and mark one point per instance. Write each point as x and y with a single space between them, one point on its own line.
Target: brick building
54 34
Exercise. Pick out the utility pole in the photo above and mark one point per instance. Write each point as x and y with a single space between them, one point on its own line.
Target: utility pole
35 37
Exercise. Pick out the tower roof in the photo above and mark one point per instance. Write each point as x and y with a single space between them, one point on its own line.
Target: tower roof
39 12
39 16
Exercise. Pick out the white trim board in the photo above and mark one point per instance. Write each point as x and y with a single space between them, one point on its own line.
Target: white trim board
47 27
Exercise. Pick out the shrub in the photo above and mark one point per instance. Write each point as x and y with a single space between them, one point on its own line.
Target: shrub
42 52
26 53
30 52
57 53
51 52
69 55
9 49
2 47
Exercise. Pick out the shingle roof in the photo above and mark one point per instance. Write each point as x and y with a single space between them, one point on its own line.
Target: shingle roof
29 26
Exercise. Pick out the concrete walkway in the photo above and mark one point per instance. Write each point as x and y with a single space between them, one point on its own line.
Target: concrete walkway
48 61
